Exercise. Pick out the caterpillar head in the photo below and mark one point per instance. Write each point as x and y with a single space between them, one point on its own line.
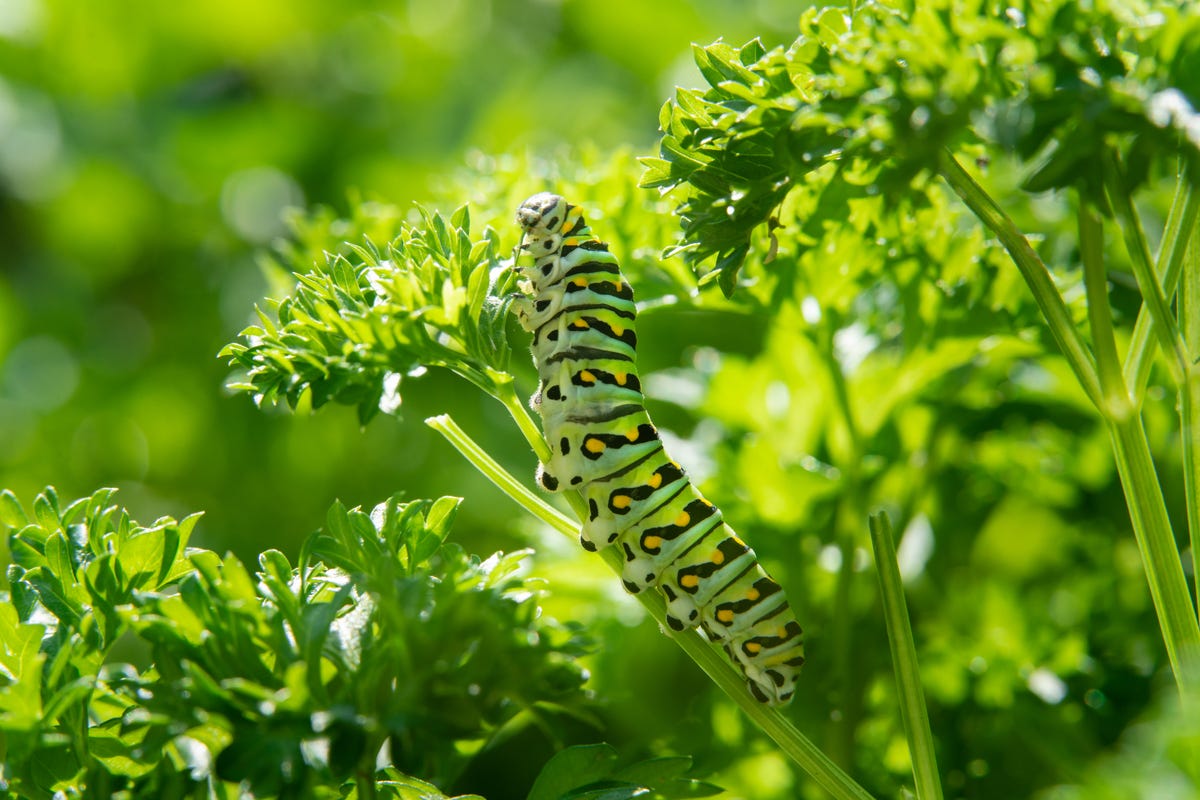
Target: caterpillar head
542 214
541 218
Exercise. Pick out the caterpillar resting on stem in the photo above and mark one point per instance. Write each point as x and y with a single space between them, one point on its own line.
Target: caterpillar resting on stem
581 313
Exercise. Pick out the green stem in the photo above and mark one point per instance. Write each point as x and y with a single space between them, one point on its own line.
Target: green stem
506 393
842 743
1160 556
1170 333
446 426
1139 254
364 782
1181 222
1032 269
1143 494
1189 403
1189 407
710 659
1091 249
913 711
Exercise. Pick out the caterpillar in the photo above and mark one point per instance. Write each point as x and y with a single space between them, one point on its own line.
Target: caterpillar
580 310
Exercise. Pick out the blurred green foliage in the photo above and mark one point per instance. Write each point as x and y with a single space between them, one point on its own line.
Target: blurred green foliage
146 154
877 349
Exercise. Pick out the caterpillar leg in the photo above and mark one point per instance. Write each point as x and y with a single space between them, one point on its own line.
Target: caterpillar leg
546 480
631 501
652 548
771 658
522 306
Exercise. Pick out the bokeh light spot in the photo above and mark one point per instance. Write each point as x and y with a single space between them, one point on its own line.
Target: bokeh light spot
253 201
40 374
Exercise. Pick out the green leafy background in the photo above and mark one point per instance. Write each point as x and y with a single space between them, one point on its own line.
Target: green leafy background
148 155
148 152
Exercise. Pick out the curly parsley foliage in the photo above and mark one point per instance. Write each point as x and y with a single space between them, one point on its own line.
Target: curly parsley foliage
878 97
76 572
433 296
391 634
288 680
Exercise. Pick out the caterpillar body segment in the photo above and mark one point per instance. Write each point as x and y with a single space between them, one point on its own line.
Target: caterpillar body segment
640 495
581 312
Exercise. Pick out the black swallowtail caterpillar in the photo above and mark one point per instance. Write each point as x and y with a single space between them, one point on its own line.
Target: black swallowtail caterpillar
581 312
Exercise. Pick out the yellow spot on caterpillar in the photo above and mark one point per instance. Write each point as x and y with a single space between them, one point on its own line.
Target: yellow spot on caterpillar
620 378
618 330
655 481
753 648
717 557
632 434
587 377
739 542
652 542
594 446
725 615
752 594
580 324
620 501
620 285
683 519
689 581
580 282
781 633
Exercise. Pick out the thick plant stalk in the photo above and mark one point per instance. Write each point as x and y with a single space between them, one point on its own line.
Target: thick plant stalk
1181 224
1036 276
1091 249
841 743
1190 427
1139 255
1180 358
799 748
1143 494
1189 323
913 711
1160 557
1178 260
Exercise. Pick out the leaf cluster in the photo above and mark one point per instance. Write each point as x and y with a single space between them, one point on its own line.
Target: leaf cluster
590 772
75 572
860 107
287 681
355 326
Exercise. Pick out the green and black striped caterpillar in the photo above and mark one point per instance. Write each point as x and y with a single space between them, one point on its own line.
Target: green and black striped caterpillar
581 313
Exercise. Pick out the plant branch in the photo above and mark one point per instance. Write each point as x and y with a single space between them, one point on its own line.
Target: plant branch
1181 223
1160 556
1095 277
710 659
1033 270
1143 494
1139 254
507 395
842 742
504 481
1189 400
913 710
1189 409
